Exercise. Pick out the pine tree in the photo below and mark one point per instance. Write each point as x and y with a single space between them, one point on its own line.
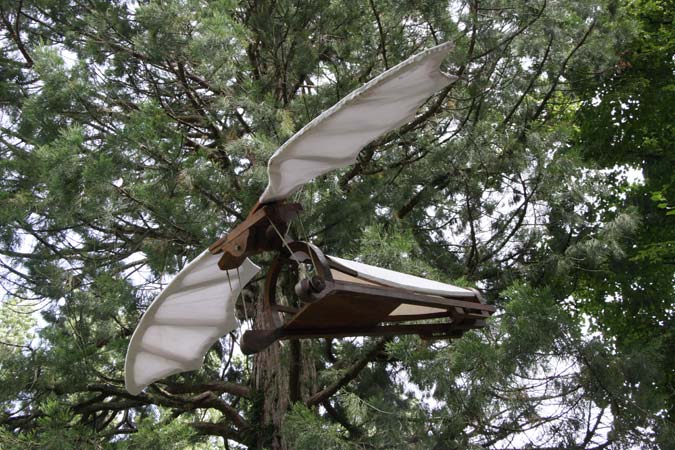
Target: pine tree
136 134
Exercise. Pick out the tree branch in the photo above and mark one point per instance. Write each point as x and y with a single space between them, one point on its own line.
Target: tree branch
554 86
351 373
217 429
383 48
15 34
215 387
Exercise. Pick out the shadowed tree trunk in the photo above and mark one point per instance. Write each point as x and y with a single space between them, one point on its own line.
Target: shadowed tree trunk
282 375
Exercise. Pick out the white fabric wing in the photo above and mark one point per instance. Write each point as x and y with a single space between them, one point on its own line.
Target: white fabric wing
185 320
334 139
404 281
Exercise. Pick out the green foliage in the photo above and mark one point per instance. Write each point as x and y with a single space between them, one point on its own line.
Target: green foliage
305 431
173 434
630 121
133 135
395 248
16 348
16 323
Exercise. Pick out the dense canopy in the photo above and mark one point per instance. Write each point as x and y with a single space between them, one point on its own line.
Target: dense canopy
134 134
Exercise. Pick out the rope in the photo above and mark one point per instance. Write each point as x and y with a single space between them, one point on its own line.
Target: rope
227 272
283 240
309 250
241 294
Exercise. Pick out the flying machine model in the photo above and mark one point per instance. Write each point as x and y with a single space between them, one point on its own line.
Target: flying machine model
339 298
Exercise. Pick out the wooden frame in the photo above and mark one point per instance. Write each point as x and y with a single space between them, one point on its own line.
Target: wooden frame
259 232
343 307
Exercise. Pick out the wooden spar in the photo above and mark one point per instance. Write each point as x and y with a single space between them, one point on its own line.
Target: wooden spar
254 341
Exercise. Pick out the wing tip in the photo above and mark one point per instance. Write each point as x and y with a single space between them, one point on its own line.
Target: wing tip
133 389
134 386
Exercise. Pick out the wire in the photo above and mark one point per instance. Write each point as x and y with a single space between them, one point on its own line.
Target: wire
283 240
227 272
309 250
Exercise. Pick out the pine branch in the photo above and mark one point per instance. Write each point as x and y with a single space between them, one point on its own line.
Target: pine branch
15 33
383 46
350 374
554 86
217 387
217 429
162 397
526 92
339 416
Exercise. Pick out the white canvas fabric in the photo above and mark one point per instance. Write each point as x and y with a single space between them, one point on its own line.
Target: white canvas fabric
185 320
404 281
334 139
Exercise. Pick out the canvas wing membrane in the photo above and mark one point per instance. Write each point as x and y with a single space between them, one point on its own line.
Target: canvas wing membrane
404 281
334 139
185 320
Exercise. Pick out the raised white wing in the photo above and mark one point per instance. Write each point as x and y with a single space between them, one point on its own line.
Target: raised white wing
334 139
185 320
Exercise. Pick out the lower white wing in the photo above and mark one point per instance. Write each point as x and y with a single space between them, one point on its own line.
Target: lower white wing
185 320
334 139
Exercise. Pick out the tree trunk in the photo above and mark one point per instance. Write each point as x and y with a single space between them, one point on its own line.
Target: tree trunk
282 375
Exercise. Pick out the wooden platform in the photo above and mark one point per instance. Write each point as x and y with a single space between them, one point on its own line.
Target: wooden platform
338 302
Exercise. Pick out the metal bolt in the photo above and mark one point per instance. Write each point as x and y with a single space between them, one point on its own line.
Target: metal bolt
317 284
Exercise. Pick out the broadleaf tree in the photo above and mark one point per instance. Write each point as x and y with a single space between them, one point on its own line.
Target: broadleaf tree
134 134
